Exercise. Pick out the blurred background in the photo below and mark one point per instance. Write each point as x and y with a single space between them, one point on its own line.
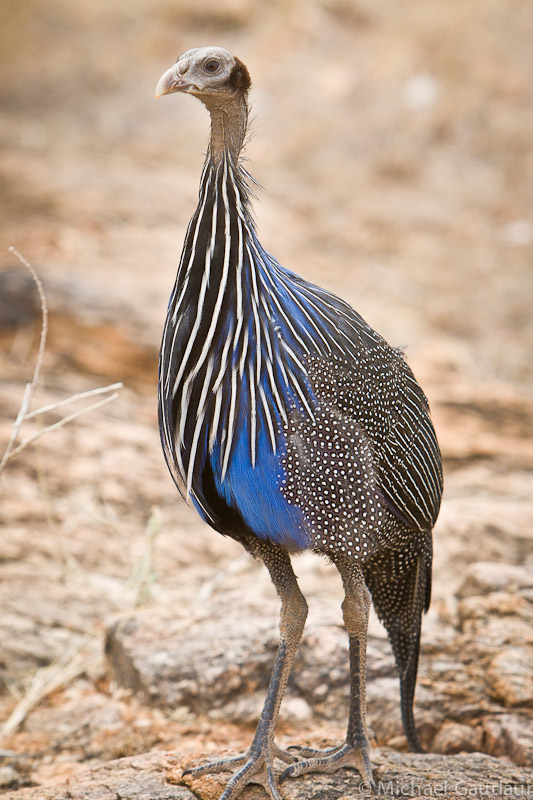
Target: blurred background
394 144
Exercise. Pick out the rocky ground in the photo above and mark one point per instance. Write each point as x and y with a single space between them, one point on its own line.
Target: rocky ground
394 142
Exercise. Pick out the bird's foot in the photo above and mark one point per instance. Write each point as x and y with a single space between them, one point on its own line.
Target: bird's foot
255 766
312 752
331 760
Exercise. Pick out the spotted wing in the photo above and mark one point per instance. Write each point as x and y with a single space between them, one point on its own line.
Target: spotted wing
369 382
379 392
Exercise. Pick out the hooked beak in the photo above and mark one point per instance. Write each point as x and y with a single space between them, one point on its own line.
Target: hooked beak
171 81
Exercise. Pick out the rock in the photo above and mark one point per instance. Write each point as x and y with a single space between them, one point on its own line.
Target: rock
9 776
44 616
158 776
217 663
510 676
19 300
483 615
510 735
134 778
173 660
456 738
484 577
87 329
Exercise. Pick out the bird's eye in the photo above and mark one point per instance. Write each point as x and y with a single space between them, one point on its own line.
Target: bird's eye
212 66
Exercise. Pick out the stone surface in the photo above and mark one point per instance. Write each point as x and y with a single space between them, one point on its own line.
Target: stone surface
157 776
485 577
510 676
203 663
470 673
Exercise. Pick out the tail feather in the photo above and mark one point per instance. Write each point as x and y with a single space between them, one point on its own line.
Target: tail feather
400 585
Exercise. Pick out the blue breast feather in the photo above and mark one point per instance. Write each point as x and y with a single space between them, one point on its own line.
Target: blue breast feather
255 491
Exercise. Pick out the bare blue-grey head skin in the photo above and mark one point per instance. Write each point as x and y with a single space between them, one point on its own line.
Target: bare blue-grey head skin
292 425
221 82
201 71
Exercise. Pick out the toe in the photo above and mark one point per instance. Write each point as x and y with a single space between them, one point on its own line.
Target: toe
332 760
271 785
312 752
221 765
285 755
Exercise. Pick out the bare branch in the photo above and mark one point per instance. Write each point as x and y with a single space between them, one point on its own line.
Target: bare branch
29 439
28 392
24 414
73 398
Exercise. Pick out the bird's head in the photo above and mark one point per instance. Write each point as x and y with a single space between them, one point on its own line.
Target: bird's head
210 73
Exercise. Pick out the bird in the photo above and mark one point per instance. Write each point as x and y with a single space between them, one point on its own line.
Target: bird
291 425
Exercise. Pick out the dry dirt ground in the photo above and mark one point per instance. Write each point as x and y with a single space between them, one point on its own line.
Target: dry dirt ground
394 142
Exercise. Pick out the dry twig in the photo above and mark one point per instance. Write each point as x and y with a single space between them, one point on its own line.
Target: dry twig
28 392
144 573
48 679
24 414
59 424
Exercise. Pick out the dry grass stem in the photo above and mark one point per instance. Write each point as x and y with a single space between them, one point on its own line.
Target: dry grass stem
28 392
12 448
48 679
60 423
73 398
144 573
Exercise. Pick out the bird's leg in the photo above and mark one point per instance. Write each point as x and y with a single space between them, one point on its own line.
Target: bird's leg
256 766
354 752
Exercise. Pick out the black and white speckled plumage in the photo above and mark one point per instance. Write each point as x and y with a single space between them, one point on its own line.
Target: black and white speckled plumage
366 468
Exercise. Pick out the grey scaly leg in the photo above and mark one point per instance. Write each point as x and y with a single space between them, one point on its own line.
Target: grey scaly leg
354 752
256 766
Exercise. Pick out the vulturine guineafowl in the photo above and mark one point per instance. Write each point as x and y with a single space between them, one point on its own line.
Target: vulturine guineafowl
292 425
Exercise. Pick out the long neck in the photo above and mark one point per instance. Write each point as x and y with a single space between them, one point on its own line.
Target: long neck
222 349
213 323
207 303
229 118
